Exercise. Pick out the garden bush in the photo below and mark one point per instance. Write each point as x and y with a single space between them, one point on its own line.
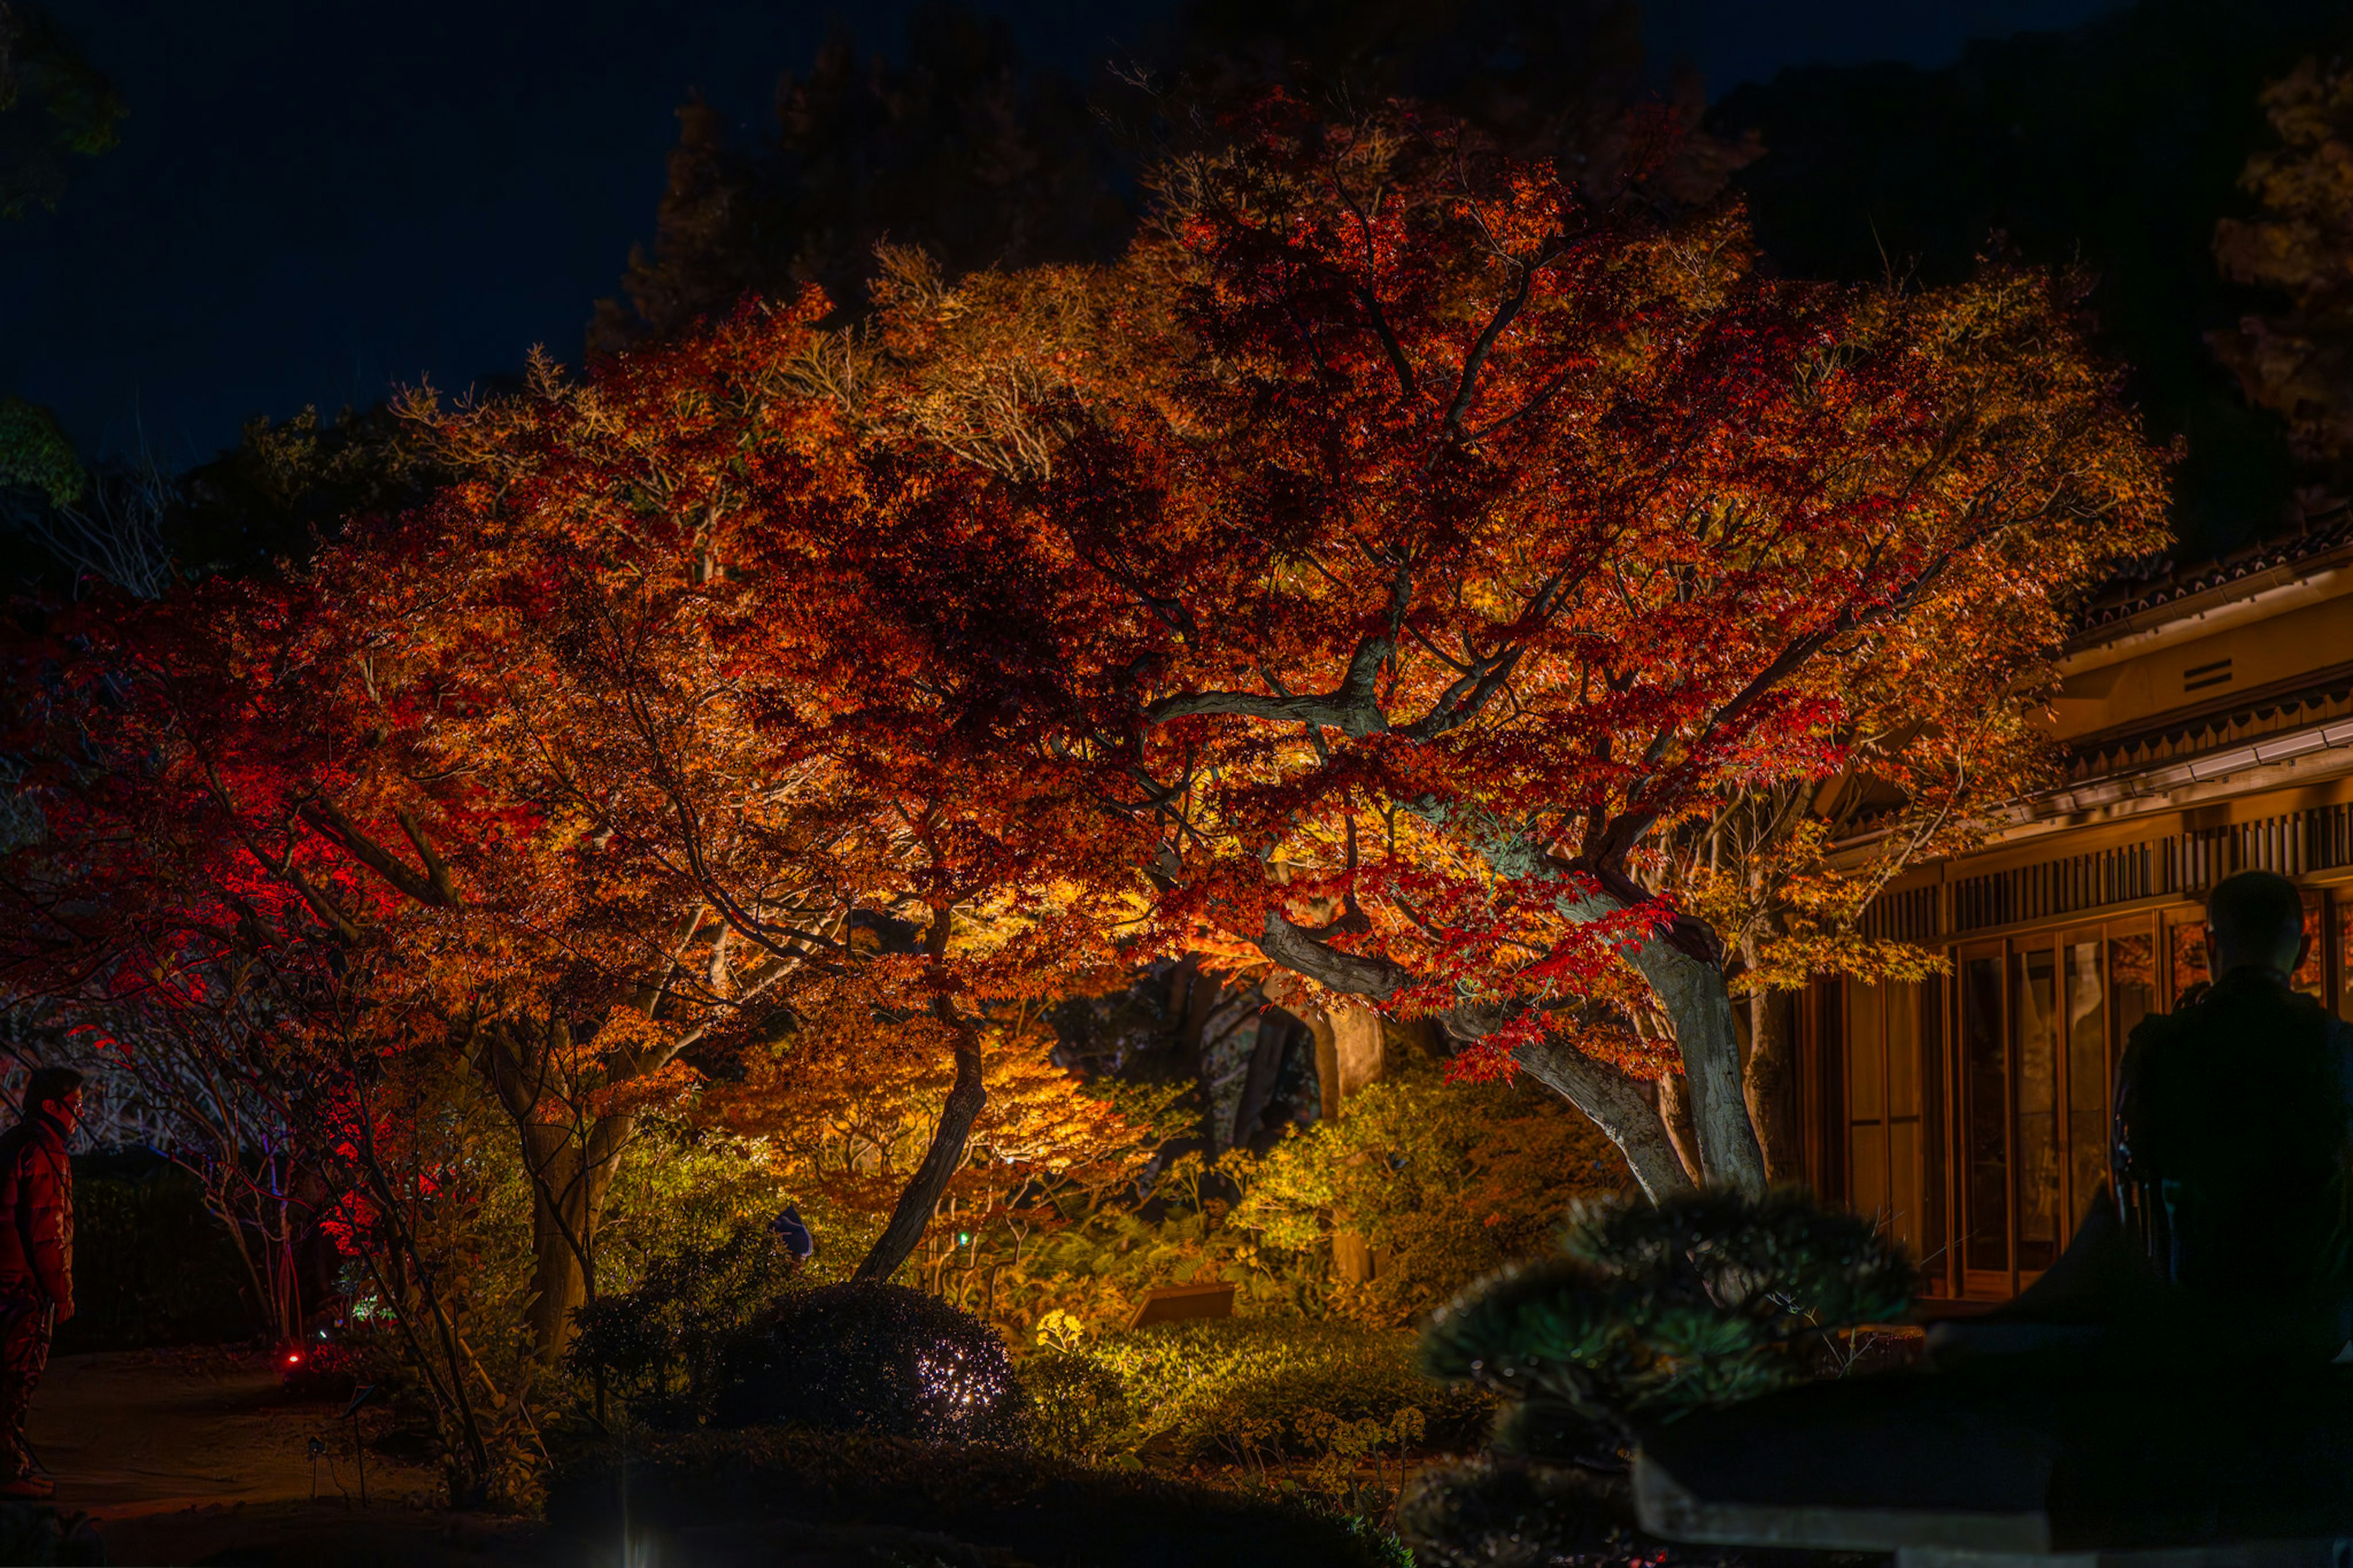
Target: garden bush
1028 1506
151 1265
1649 1312
1241 1389
1444 1180
1078 1407
665 1347
878 1358
1653 1310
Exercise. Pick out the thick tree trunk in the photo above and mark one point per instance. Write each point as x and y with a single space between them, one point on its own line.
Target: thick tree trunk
1699 1003
558 1277
1674 1111
1617 1105
922 1195
1772 1082
569 1182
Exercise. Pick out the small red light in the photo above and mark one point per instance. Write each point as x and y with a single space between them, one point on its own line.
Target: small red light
292 1359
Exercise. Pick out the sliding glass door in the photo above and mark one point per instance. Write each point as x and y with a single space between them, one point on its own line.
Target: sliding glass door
2042 1023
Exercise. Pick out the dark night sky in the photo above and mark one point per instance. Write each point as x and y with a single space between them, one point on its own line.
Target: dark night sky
313 201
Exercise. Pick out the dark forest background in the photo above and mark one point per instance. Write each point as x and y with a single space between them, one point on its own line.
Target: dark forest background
2115 146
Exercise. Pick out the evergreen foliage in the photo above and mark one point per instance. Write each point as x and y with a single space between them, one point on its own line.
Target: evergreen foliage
1078 1406
289 485
36 455
55 107
664 1347
1446 1180
2299 362
1650 1311
871 1357
2114 146
964 151
1239 1390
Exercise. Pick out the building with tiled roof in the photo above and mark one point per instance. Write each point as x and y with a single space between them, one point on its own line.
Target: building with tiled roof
2206 717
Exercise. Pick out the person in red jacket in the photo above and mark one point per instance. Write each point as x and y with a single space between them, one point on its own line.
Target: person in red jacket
35 1258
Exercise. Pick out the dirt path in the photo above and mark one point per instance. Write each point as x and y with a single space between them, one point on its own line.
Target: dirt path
189 1457
198 1458
146 1432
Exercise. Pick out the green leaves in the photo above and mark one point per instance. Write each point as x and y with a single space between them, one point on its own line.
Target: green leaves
1650 1311
54 105
36 455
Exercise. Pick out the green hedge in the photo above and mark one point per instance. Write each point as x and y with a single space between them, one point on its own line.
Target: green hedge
151 1266
702 1492
1232 1389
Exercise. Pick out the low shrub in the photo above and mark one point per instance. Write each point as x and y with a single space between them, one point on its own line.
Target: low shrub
867 1356
666 1347
1241 1389
1032 1507
1445 1181
1078 1406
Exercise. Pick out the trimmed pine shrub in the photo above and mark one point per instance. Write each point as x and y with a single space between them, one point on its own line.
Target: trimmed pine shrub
1653 1310
865 1356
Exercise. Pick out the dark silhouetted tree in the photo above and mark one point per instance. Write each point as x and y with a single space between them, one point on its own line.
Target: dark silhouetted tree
55 107
963 151
980 159
2299 364
2115 146
1541 80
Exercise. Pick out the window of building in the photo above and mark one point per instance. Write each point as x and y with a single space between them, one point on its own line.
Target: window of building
2310 976
2189 945
1984 1116
2342 915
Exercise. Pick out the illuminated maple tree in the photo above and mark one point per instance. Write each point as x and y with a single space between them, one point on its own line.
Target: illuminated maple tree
1449 540
1376 574
845 1108
164 889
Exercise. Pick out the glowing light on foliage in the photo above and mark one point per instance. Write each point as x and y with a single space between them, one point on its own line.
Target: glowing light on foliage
1375 571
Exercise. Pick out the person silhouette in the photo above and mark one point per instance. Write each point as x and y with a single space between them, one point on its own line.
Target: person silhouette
2233 1141
2222 1234
35 1259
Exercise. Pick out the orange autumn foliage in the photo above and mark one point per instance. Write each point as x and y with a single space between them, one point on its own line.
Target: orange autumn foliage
1377 569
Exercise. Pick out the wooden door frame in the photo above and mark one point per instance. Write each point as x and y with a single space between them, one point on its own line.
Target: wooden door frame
1978 1282
2014 975
2073 1203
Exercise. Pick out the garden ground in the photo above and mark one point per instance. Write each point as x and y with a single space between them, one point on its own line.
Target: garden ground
200 1456
186 1455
